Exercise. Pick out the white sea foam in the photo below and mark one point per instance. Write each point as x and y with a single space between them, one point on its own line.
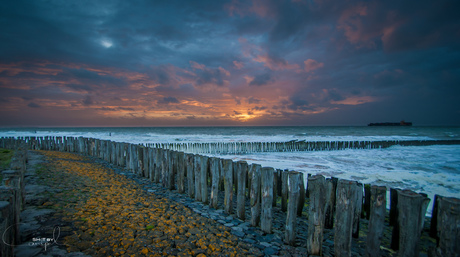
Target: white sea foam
428 169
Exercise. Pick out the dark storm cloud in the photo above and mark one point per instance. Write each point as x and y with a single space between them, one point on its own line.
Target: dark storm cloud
78 87
169 99
253 100
298 103
160 75
90 77
261 79
353 57
211 76
88 100
33 105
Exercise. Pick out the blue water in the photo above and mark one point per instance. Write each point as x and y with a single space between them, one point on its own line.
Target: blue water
206 134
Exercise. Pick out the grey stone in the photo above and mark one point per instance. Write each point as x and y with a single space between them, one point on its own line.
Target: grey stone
261 247
270 251
249 241
237 229
238 233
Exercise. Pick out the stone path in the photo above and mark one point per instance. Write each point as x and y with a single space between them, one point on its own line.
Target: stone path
94 211
99 209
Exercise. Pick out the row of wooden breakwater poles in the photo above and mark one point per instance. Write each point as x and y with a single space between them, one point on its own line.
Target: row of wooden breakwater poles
333 203
291 146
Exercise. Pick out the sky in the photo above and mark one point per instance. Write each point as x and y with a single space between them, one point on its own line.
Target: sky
229 63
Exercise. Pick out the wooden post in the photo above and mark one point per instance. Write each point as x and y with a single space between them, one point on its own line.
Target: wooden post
132 157
165 168
255 194
171 171
197 177
276 181
227 172
346 193
317 189
152 163
158 165
279 189
140 160
329 213
242 170
146 162
358 209
301 201
412 209
191 175
378 202
294 191
367 202
180 172
204 179
267 199
214 164
284 190
448 227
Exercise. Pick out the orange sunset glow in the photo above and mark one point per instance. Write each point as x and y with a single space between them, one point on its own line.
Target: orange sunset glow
228 63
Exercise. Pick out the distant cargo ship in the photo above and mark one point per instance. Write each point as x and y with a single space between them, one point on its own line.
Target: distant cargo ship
401 123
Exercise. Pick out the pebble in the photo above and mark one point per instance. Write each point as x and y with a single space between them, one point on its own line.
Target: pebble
270 244
270 251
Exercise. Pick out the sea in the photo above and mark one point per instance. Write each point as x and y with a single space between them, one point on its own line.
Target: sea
423 169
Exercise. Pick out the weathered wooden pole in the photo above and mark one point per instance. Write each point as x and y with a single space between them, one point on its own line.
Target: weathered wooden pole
242 170
140 160
317 189
377 209
214 164
165 168
191 175
329 210
367 202
171 171
181 172
284 190
294 192
146 162
267 199
276 181
301 201
346 193
152 161
255 194
412 209
227 172
159 168
132 157
204 179
358 209
197 177
448 227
